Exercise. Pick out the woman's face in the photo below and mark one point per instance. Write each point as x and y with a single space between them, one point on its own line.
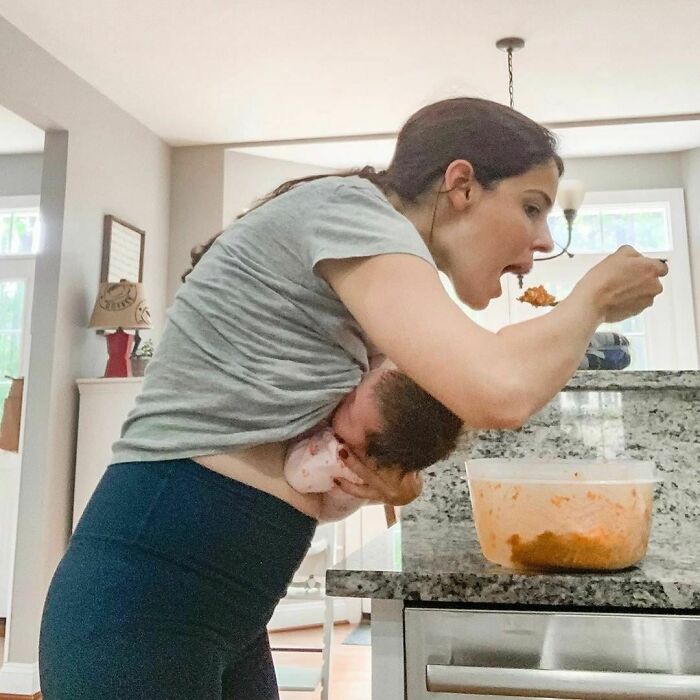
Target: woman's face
490 232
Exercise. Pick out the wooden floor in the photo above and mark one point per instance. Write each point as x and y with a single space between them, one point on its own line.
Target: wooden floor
350 664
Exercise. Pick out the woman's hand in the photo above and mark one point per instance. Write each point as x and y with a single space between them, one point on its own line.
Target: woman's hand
624 284
389 485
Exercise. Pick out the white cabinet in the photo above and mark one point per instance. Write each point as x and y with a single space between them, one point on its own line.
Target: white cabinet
104 405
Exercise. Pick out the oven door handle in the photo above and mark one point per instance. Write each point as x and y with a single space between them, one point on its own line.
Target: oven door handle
571 685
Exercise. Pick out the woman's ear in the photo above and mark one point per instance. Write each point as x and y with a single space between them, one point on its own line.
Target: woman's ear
460 184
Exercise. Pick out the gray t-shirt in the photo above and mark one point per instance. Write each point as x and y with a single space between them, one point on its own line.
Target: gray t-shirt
258 348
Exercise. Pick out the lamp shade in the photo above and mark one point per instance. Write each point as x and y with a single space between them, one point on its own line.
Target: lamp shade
570 194
120 305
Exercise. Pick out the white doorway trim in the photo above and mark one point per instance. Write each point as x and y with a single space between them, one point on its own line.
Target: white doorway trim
19 679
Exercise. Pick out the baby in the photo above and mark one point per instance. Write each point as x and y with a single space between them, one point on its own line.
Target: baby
388 418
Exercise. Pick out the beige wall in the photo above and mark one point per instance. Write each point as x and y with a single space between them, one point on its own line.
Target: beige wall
211 185
20 174
639 172
248 178
196 205
97 160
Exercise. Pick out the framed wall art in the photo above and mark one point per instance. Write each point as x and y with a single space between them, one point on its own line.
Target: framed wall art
122 251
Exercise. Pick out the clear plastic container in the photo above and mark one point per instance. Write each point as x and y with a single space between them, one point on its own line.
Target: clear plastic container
562 514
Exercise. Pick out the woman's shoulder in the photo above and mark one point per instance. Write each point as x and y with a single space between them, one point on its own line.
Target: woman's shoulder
339 187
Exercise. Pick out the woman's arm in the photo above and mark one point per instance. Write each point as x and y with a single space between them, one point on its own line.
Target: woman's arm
490 380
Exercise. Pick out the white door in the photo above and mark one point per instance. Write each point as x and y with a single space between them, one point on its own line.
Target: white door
16 290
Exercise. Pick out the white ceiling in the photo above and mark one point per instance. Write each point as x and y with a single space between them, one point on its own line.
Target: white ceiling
225 71
573 143
18 135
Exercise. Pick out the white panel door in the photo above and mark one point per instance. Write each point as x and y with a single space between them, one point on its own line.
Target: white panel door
16 289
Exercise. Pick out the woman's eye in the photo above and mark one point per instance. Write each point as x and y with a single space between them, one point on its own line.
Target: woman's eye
532 211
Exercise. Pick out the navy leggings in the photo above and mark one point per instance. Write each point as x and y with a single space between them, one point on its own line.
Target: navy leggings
166 588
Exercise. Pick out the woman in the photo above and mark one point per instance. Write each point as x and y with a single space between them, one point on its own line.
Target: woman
193 534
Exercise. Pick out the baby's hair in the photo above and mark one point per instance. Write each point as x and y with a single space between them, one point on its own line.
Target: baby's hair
417 429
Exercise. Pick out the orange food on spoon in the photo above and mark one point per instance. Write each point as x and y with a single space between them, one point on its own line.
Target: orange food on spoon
538 296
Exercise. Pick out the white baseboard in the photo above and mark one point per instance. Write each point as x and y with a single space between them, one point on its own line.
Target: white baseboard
19 679
288 615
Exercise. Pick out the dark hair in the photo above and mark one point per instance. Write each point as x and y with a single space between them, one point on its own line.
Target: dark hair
417 429
498 141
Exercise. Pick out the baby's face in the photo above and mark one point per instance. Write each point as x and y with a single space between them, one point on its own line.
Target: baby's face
358 414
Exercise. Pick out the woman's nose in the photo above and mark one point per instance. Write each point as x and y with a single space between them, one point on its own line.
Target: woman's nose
544 243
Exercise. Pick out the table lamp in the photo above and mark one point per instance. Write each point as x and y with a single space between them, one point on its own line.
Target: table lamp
120 306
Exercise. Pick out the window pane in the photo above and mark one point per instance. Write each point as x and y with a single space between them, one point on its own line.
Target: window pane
12 293
638 351
11 305
19 232
646 230
635 324
604 229
585 233
24 230
5 231
651 230
557 227
10 347
617 231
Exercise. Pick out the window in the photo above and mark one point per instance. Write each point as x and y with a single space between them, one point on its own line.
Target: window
20 228
19 242
19 232
604 228
12 297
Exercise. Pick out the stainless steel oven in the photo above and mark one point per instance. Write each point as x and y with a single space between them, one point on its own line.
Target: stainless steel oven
454 654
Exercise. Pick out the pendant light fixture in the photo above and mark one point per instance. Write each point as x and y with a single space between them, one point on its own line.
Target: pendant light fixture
570 193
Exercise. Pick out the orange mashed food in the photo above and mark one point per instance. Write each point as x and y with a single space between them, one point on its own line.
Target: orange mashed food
537 296
574 551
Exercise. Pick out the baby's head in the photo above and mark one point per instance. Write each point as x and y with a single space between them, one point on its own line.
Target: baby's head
392 420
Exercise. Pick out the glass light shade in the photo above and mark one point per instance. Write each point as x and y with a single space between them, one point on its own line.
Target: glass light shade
121 305
570 194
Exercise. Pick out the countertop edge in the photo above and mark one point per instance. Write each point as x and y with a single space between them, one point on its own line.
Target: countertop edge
519 590
612 380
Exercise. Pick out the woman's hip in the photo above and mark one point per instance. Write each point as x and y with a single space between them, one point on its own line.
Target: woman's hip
172 535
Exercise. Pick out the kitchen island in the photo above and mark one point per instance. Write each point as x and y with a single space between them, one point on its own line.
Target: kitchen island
429 583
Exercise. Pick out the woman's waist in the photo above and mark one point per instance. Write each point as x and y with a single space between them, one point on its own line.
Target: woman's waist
262 467
193 517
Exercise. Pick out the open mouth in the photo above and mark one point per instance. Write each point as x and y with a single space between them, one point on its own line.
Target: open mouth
517 269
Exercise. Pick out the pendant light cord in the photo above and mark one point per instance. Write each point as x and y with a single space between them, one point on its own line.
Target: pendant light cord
510 77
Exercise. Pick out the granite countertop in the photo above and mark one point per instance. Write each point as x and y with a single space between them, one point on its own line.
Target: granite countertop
434 556
611 380
435 561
